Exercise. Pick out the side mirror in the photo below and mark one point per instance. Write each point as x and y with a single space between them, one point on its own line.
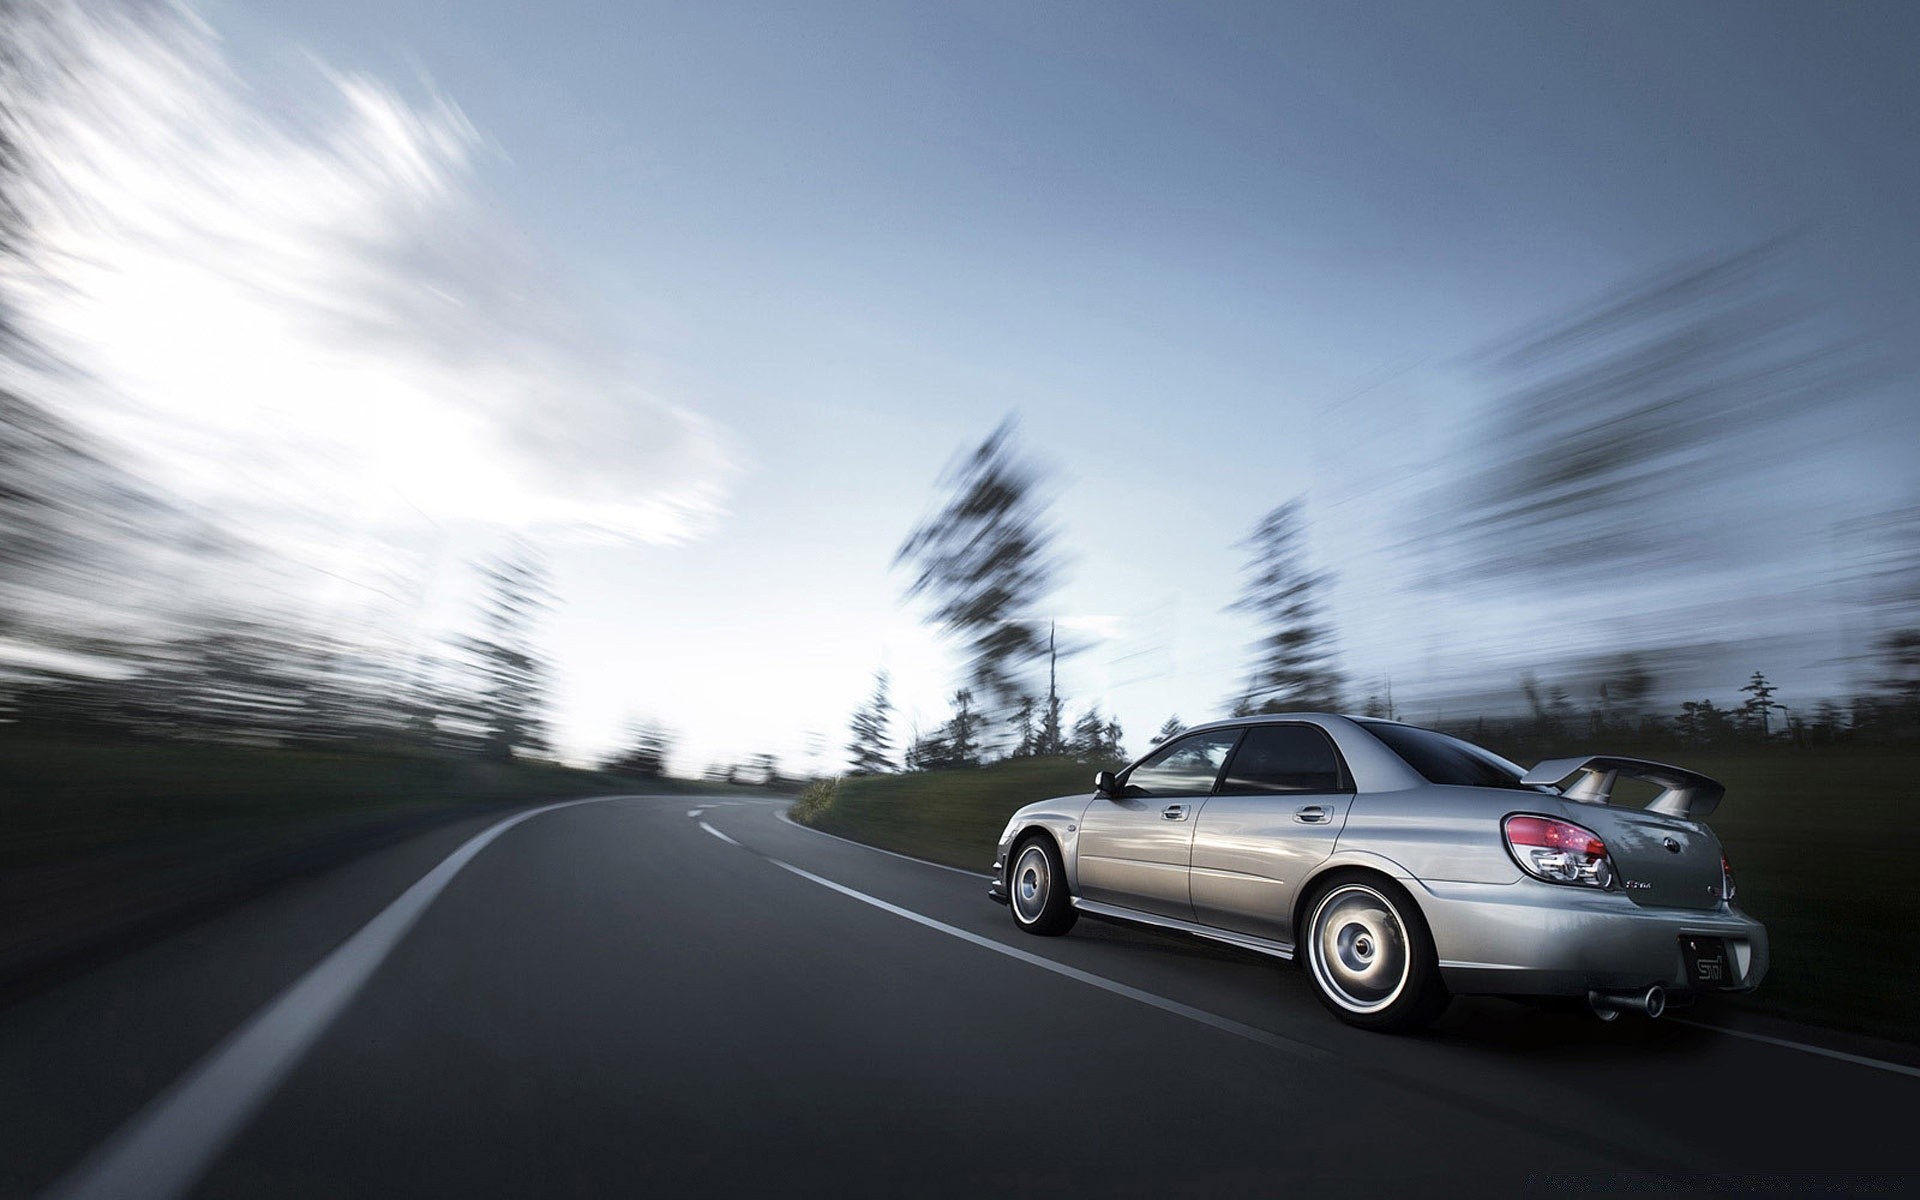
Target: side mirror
1104 784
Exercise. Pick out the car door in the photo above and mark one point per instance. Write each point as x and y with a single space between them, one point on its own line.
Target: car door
1134 846
1275 816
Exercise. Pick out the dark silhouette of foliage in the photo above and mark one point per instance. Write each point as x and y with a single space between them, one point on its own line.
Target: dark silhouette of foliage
1025 735
645 755
986 561
1293 664
872 746
510 672
1095 738
1759 706
1613 423
963 745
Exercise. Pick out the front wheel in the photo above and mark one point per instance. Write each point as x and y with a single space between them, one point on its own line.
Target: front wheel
1037 889
1371 956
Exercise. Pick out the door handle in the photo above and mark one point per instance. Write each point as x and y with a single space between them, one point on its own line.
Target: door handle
1313 814
1174 812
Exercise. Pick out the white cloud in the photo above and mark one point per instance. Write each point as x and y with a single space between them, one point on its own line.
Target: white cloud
318 324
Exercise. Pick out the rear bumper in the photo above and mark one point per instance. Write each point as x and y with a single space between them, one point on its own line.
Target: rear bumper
1543 939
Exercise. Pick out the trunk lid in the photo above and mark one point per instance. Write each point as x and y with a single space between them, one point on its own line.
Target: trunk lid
1663 861
1664 856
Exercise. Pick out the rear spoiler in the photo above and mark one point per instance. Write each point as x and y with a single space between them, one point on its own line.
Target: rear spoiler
1687 794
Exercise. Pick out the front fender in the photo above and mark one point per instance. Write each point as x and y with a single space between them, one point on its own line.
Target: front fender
1059 819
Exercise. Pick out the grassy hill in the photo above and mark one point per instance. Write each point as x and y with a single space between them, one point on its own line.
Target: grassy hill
949 817
1818 838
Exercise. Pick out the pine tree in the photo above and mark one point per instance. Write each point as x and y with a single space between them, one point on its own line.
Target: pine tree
1293 662
1025 736
1053 733
1759 706
987 560
963 748
872 745
1172 728
512 673
1089 734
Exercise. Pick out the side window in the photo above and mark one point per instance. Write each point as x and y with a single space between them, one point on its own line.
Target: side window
1276 759
1186 767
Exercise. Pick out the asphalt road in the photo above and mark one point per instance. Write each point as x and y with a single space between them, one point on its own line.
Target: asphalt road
619 998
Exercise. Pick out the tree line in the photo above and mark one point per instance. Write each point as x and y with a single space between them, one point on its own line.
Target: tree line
986 563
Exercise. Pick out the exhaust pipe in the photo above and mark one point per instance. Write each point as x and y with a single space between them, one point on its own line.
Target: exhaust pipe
1609 1005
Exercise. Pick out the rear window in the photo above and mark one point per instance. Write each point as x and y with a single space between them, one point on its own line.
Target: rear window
1443 759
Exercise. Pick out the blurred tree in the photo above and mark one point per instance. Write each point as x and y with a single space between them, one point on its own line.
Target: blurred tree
1703 723
1025 736
1094 737
645 754
963 747
872 745
987 562
1169 729
1900 659
1293 664
1053 726
18 69
1613 424
1759 706
1828 723
512 675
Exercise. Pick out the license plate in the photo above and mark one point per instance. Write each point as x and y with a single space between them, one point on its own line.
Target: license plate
1706 959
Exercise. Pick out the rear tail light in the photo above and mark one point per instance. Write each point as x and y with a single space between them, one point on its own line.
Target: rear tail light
1558 851
1726 878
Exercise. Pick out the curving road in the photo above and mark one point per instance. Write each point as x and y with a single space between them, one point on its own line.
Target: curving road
631 996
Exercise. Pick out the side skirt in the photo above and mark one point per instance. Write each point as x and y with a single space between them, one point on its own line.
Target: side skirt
1245 941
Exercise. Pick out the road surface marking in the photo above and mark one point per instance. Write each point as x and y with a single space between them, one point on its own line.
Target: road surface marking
925 862
723 837
1878 1064
694 812
167 1145
1251 1033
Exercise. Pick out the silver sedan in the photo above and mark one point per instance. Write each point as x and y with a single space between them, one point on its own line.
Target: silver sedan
1403 865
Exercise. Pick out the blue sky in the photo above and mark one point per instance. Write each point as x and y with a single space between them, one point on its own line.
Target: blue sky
1211 255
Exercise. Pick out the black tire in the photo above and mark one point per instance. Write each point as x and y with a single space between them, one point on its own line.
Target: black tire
1037 888
1370 955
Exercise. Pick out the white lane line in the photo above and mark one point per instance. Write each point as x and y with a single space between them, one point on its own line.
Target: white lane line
925 862
1859 1060
1249 1032
723 837
167 1145
694 812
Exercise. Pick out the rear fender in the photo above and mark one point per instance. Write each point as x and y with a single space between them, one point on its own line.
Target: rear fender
1345 860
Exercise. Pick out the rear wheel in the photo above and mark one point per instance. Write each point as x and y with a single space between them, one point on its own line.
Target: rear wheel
1037 888
1370 955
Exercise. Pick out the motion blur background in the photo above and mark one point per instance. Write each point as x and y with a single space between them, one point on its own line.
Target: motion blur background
406 399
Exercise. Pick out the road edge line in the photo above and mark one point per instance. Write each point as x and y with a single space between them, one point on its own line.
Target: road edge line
166 1146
